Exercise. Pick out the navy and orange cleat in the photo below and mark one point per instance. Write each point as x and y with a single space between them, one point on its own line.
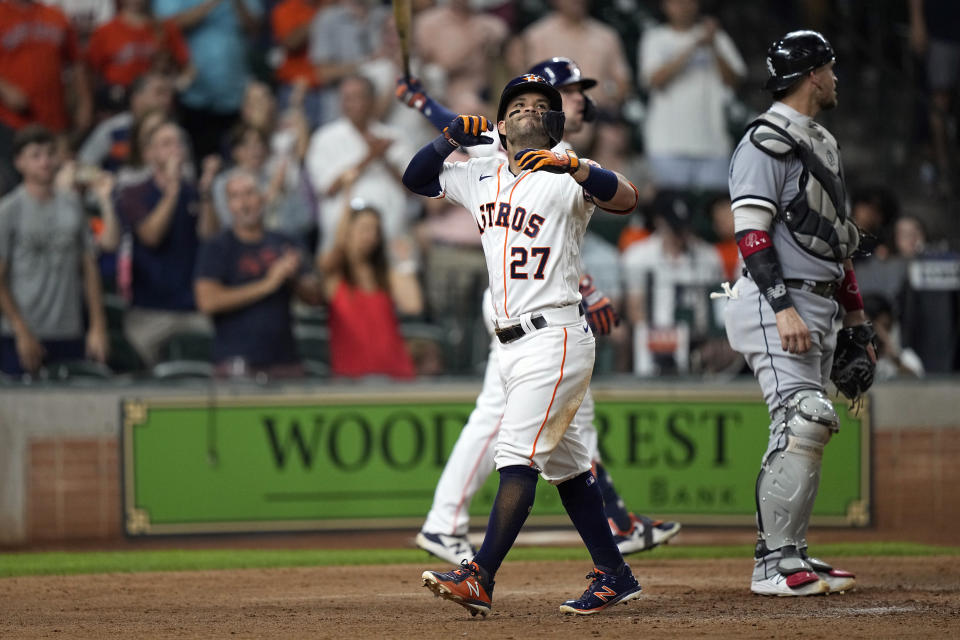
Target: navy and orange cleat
468 586
607 589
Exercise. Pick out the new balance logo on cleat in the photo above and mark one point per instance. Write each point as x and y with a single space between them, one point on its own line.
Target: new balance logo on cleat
605 595
606 590
465 586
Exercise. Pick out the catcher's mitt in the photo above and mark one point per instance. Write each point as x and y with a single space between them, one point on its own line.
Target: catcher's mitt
853 368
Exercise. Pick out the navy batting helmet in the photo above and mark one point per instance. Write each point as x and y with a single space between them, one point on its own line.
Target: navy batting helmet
529 82
562 71
793 56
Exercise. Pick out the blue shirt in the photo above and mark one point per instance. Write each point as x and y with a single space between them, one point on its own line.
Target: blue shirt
219 48
162 275
262 332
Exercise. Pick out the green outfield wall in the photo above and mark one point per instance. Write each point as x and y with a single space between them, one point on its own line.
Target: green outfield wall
107 461
260 464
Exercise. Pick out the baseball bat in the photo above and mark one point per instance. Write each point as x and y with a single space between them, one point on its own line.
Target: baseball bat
402 17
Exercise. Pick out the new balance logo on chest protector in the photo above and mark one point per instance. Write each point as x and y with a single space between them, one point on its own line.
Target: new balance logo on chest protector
817 217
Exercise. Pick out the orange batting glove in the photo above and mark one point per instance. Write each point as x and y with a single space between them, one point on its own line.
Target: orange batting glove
464 131
546 160
600 313
411 93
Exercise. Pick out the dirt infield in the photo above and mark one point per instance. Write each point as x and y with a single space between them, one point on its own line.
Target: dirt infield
896 598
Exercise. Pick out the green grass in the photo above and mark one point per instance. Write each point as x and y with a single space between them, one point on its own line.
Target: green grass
65 563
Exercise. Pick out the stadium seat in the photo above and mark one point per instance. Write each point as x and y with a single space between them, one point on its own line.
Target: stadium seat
311 316
430 345
123 357
79 369
114 307
183 370
313 345
316 369
192 345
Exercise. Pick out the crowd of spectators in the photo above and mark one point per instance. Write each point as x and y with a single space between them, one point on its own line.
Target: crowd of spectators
228 173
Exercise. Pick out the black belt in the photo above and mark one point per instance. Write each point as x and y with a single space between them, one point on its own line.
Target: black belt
516 332
825 289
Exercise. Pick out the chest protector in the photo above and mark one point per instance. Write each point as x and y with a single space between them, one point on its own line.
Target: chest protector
817 217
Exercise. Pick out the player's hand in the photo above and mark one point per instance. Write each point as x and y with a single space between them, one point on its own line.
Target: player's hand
29 351
211 166
546 160
376 147
13 97
172 170
464 131
709 27
284 268
97 345
919 39
103 185
411 93
794 334
601 315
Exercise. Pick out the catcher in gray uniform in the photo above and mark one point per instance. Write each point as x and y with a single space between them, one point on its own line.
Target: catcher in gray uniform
796 237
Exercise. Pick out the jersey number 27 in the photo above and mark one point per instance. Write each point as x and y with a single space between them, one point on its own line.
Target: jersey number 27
520 256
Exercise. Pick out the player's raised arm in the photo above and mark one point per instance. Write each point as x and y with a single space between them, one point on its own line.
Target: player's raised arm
411 93
423 173
611 191
625 194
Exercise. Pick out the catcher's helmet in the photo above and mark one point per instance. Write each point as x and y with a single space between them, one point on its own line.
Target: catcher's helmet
528 82
562 71
793 56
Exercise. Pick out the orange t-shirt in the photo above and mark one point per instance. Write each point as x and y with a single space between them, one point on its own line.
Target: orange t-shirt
730 255
120 51
287 16
36 41
631 234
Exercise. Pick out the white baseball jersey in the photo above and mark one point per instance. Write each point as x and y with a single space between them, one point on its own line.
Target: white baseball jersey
472 459
531 228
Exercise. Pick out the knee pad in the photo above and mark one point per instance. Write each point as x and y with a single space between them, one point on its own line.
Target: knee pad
790 474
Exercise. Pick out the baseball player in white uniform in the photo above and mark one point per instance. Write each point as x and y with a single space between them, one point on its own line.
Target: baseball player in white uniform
531 212
796 238
444 533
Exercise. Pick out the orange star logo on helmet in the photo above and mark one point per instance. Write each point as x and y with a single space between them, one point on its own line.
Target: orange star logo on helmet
532 77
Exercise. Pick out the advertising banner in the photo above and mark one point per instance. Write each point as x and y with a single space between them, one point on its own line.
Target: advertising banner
296 463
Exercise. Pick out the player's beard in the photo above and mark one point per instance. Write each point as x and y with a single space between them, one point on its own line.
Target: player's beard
527 132
828 101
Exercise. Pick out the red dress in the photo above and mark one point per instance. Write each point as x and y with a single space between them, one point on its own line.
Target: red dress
365 336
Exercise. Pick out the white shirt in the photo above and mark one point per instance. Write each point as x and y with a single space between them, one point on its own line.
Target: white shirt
336 147
531 227
85 15
699 265
686 117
